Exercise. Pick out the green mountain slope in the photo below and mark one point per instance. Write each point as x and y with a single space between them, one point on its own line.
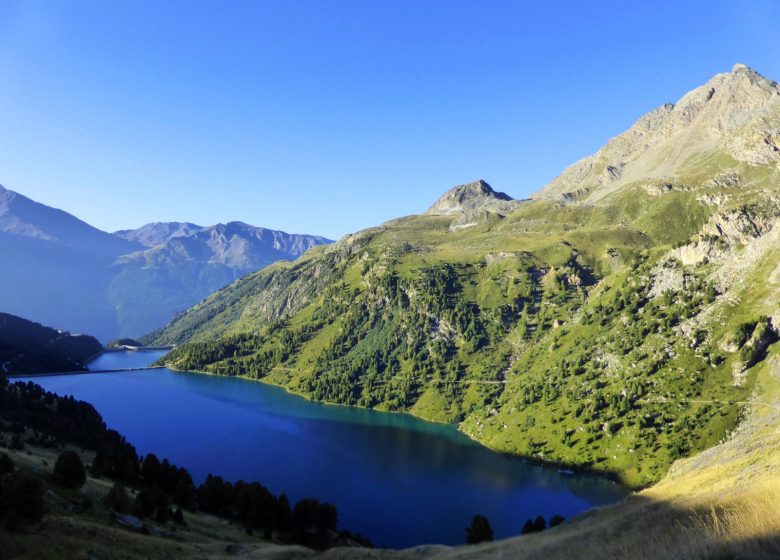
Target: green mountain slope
598 327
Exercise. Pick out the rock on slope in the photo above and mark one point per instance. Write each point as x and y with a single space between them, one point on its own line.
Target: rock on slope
477 195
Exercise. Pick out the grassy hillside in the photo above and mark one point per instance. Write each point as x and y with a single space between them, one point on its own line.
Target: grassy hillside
571 333
722 503
602 325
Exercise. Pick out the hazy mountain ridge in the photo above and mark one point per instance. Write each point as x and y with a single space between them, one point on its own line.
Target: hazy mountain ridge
573 333
153 234
22 216
127 283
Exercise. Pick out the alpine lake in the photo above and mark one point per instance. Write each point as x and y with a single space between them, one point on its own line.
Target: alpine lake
397 480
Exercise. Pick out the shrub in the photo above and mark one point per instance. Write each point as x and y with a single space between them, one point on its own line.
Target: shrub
742 333
6 464
21 500
536 525
178 517
118 499
479 530
556 520
69 470
162 515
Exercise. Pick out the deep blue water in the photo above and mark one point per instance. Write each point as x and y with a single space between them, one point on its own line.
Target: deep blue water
398 480
125 360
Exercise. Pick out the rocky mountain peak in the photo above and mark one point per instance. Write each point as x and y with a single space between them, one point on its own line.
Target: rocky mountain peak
740 68
470 196
735 114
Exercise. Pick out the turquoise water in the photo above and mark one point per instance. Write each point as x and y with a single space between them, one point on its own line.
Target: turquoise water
398 480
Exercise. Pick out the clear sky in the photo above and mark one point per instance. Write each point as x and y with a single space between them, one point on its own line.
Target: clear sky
330 116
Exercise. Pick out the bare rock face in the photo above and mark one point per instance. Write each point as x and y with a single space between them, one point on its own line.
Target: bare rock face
471 197
722 234
735 114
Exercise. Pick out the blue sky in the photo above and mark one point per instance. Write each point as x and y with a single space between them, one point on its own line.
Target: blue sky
330 116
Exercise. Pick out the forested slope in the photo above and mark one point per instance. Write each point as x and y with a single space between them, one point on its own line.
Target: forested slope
604 327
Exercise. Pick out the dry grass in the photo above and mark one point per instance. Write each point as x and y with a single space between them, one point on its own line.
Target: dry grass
740 529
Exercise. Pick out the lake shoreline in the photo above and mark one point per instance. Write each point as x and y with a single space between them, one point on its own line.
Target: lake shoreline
563 468
336 452
576 470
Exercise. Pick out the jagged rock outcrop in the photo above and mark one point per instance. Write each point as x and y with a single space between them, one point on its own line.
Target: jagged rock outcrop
724 232
471 197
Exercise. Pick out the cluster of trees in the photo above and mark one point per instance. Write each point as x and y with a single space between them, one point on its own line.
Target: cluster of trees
762 334
164 491
480 530
394 336
619 376
53 419
22 494
28 347
539 524
390 344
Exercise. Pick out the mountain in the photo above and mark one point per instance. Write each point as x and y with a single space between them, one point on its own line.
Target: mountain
126 283
23 217
27 347
157 233
611 323
471 197
732 118
59 262
188 264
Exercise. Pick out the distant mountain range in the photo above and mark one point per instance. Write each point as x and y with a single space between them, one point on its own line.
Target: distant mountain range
60 270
